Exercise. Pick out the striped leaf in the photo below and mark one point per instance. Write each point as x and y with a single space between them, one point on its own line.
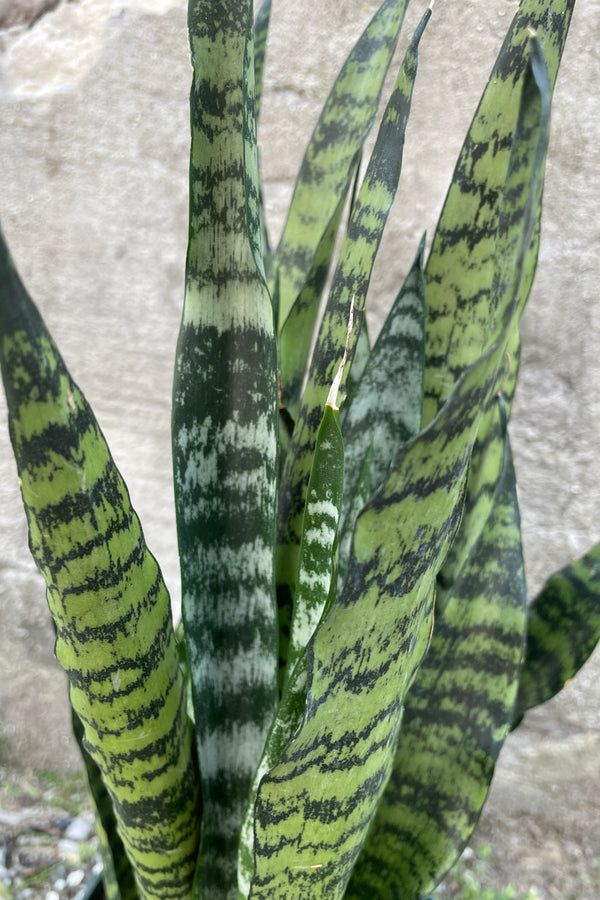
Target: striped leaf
117 874
563 628
111 610
459 709
225 439
384 409
261 28
456 718
485 471
344 123
462 265
318 545
315 806
316 586
350 284
296 338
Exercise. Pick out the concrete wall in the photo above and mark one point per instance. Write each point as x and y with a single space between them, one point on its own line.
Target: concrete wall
93 200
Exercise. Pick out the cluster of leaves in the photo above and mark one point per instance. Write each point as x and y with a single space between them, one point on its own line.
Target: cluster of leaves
355 613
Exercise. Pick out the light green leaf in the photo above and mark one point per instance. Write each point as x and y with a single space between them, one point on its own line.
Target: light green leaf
315 806
296 339
457 715
344 123
108 600
117 874
349 289
463 265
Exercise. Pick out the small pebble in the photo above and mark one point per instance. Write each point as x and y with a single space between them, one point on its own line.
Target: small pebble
69 850
60 884
52 895
78 829
75 878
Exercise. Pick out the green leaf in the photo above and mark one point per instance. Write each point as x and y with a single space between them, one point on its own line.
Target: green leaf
457 715
487 463
261 30
318 544
295 341
117 874
344 123
462 267
110 606
563 628
225 423
459 709
384 409
315 806
349 289
316 586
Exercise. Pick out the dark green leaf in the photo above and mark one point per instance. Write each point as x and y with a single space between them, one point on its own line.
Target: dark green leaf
225 423
563 628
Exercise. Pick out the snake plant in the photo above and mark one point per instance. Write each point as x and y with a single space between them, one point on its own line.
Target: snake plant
356 640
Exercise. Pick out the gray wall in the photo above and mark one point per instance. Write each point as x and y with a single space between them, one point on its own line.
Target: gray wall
93 143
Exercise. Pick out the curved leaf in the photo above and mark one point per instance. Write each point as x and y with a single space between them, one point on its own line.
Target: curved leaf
315 806
384 409
457 715
462 271
563 628
296 339
349 288
110 606
117 874
316 584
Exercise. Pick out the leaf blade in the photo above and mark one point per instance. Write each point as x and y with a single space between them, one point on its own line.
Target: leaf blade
110 606
224 437
563 628
462 264
343 126
456 718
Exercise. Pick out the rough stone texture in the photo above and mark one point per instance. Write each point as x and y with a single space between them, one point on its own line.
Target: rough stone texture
93 199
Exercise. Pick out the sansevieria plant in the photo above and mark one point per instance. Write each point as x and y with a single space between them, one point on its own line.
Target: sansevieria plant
356 640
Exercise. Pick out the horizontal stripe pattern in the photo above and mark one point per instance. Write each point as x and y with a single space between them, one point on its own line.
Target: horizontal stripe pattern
351 280
465 301
315 806
225 439
111 609
457 713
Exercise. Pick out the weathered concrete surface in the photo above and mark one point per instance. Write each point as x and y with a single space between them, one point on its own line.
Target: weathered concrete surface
93 200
